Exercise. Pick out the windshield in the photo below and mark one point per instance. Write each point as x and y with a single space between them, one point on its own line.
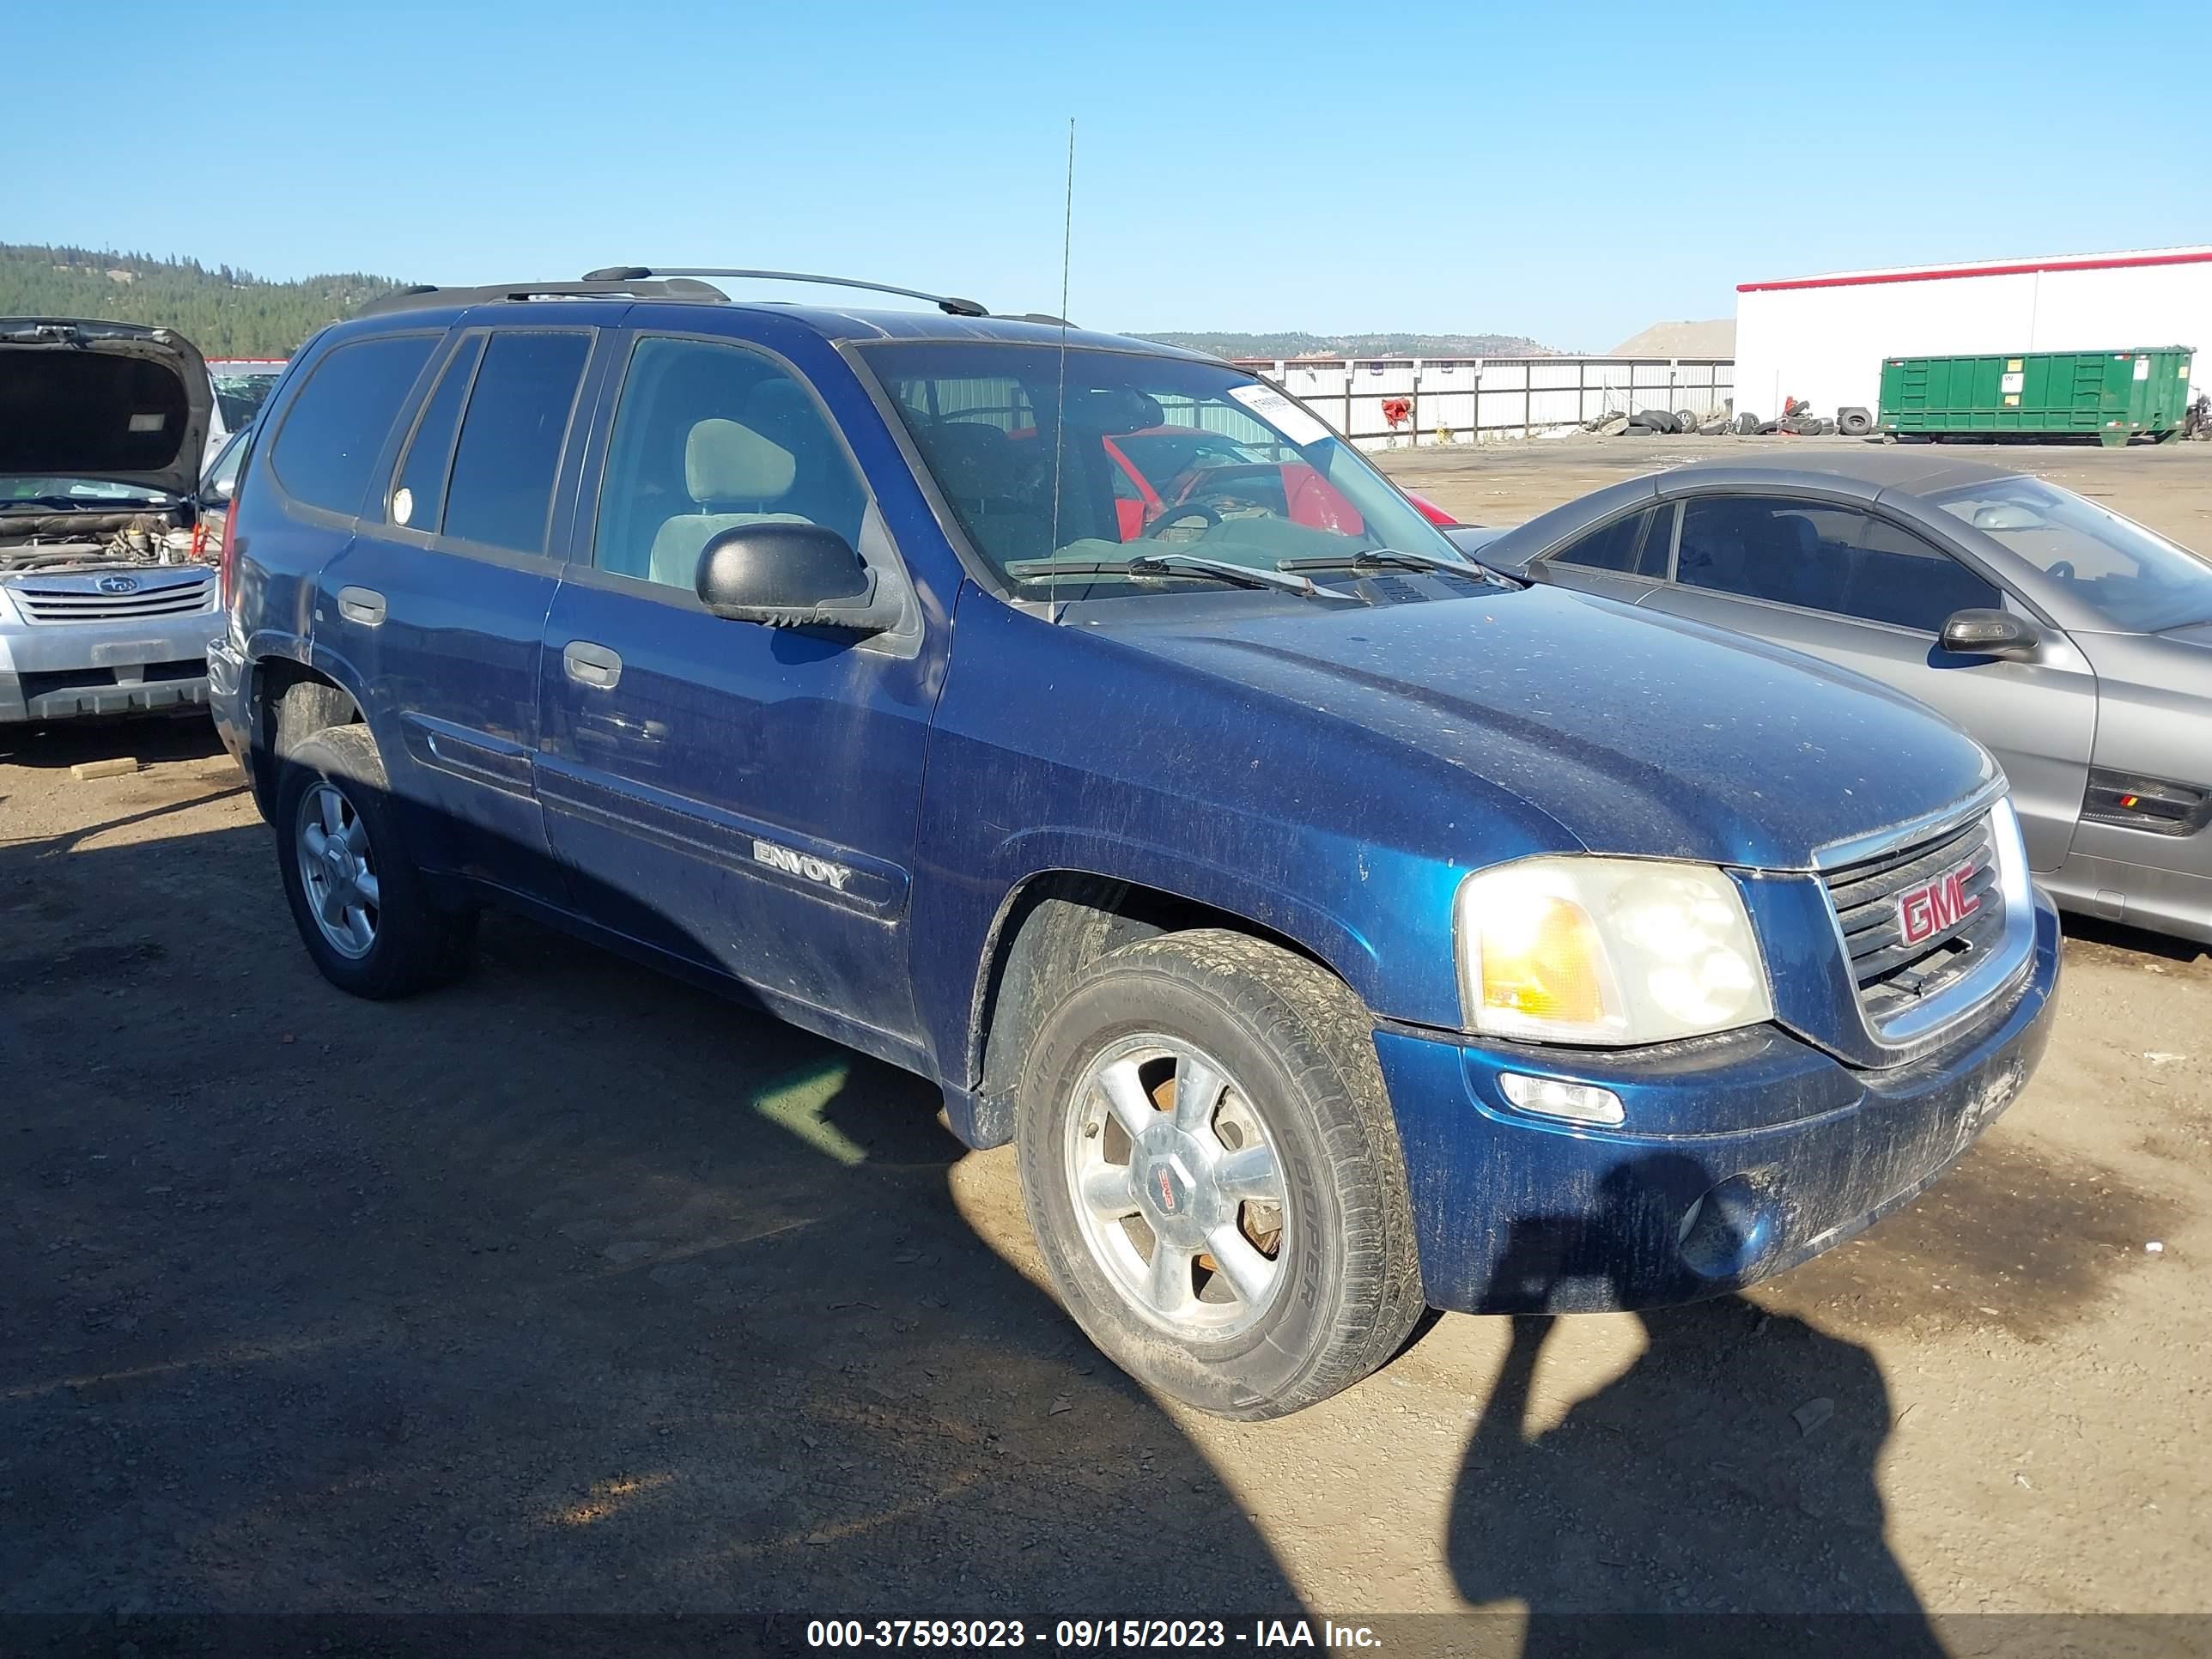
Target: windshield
93 492
1158 455
241 389
2132 577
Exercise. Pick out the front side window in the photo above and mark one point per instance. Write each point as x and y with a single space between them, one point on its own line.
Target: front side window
337 426
2133 577
504 466
1139 454
708 437
1634 546
1820 556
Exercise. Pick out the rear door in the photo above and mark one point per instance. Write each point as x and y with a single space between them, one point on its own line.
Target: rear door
742 797
1866 591
441 599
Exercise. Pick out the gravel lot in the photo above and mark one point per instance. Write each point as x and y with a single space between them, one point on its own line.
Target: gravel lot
572 1288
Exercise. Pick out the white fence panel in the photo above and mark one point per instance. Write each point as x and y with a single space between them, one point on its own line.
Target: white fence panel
1482 399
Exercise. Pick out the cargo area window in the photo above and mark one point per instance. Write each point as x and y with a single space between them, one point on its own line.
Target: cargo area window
336 425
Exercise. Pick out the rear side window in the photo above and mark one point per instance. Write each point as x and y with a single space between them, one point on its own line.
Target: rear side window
337 425
1821 556
511 438
419 491
1633 546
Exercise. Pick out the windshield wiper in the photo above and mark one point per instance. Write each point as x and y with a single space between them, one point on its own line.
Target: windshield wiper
1167 564
1384 558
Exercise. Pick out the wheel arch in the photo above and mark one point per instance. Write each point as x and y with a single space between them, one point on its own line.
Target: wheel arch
290 700
1050 927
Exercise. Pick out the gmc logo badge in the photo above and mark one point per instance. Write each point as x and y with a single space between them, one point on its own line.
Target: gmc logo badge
1924 911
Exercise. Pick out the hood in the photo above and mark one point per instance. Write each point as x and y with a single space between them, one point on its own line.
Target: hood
1636 733
1476 541
112 401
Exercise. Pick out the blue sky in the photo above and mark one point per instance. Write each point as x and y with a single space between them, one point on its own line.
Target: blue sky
1567 171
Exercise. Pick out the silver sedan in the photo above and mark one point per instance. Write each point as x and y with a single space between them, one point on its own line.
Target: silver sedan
2075 643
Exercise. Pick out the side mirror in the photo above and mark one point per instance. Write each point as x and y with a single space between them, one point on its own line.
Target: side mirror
1987 633
794 575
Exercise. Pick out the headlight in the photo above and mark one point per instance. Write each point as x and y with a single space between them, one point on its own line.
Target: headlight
1605 951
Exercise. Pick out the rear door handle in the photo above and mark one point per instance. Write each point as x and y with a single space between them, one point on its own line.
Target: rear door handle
364 605
592 664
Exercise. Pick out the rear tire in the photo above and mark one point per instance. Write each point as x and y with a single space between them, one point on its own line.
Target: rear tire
1297 1276
361 907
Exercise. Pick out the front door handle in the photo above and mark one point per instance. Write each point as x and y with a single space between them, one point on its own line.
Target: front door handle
592 664
364 605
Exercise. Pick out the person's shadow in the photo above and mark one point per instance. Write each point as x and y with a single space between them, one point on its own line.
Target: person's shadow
1718 1497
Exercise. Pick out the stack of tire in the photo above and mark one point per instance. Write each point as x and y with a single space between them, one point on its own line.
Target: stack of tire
1807 426
1655 423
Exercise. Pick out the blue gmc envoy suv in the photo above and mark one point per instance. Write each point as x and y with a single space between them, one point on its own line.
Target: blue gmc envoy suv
1339 929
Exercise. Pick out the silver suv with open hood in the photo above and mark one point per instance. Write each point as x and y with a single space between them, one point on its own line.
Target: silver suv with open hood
106 604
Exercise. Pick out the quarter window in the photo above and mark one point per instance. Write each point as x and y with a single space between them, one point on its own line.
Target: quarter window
1820 556
708 437
338 423
1633 546
418 494
510 449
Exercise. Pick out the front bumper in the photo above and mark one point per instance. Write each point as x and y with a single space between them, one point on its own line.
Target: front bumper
1772 1151
75 670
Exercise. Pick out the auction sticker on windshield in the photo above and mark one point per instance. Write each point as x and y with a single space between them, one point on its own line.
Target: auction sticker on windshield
1280 412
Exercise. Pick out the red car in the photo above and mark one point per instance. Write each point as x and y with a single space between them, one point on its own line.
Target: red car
1165 467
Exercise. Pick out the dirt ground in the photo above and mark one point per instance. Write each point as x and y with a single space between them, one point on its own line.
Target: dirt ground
571 1288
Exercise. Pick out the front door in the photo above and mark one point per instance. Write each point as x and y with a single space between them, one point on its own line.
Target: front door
1864 592
742 797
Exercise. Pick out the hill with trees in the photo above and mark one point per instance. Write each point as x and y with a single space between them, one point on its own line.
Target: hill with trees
225 311
229 312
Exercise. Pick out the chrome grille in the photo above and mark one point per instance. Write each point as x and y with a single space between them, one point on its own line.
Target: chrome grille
79 600
1891 975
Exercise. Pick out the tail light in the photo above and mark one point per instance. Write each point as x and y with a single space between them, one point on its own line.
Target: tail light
226 567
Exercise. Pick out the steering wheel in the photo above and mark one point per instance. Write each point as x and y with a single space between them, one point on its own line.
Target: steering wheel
2061 571
1176 518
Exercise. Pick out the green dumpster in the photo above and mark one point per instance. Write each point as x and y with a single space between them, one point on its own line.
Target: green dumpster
2116 395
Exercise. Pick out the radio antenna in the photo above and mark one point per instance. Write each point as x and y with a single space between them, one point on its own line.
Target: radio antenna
1059 411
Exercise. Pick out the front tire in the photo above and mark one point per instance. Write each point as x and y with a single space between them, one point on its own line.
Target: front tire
1214 1177
361 906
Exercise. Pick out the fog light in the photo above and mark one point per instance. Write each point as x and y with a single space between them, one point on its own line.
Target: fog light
1583 1102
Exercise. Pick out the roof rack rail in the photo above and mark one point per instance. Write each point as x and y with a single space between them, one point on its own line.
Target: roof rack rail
409 298
947 303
